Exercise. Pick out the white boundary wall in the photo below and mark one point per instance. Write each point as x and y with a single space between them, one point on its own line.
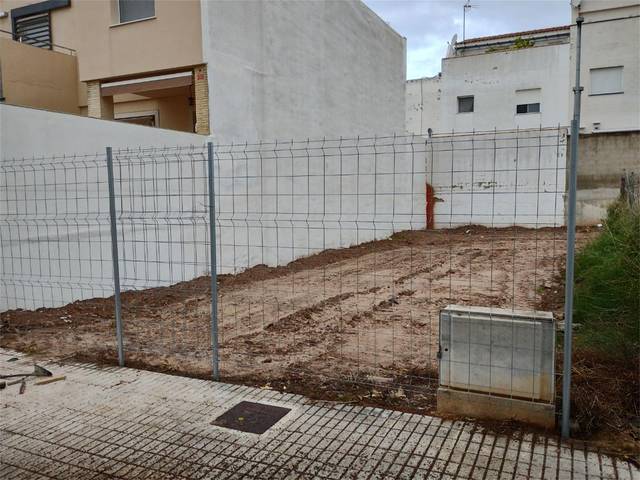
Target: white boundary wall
498 179
29 133
275 203
282 202
54 227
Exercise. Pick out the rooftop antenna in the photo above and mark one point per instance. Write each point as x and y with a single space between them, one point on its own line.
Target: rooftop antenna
467 6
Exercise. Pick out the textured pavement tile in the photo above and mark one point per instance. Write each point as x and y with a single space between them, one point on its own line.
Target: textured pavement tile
122 423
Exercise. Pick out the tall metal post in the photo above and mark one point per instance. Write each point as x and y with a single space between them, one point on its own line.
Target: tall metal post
571 241
464 18
214 273
114 257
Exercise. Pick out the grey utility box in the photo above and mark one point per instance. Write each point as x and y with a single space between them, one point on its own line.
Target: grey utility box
496 362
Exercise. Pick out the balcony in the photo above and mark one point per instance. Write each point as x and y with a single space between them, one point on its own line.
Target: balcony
38 75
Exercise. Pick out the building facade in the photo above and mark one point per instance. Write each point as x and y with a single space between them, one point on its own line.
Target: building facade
238 70
609 142
517 80
525 80
136 61
610 64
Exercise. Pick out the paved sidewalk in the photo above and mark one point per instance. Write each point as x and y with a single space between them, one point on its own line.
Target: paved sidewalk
124 423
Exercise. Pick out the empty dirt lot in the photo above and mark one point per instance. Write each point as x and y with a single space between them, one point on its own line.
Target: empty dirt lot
366 314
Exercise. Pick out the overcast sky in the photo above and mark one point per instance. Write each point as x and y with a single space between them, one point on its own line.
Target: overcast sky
429 24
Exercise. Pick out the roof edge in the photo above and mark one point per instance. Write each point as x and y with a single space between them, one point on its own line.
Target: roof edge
514 34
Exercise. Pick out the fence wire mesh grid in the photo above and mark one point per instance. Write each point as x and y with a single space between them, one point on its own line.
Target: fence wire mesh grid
334 258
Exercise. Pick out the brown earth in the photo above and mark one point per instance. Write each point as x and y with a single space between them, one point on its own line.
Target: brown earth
366 314
358 324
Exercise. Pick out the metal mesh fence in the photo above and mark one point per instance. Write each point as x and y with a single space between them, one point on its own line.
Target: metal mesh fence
334 258
55 249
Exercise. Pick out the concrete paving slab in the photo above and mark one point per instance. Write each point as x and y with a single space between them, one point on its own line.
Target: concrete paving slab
123 423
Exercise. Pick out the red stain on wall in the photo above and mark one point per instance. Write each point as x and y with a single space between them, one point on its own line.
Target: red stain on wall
430 209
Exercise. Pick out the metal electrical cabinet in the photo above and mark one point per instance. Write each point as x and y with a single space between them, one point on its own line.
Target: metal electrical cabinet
498 351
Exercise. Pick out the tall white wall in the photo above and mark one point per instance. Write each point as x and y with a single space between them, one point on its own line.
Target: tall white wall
423 104
611 43
493 79
54 212
498 179
285 201
289 69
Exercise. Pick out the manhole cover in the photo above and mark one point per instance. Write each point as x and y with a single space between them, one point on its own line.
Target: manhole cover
251 417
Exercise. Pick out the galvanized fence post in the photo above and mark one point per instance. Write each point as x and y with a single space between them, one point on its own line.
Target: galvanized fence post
214 274
114 257
571 244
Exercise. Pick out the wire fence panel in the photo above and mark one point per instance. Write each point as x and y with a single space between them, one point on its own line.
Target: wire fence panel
55 248
499 179
163 241
328 281
297 304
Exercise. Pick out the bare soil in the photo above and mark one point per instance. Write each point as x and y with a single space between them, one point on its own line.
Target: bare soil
358 324
365 315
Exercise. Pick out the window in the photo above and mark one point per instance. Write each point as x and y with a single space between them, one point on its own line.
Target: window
148 119
528 100
465 104
33 29
131 10
528 108
606 80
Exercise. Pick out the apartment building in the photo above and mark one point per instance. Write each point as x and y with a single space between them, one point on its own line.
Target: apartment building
610 64
525 80
514 80
238 70
137 61
609 142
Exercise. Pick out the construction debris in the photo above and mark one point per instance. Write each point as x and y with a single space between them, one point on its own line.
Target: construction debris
46 381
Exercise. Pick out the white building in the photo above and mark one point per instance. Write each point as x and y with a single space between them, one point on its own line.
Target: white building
610 119
525 80
610 64
504 81
239 70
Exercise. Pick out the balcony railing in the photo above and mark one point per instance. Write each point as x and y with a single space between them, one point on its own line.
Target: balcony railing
40 44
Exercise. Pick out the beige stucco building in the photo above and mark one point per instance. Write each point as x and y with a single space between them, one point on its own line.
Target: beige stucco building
241 70
142 70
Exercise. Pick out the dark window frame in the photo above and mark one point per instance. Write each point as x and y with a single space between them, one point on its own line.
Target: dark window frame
138 19
33 40
466 97
36 9
525 108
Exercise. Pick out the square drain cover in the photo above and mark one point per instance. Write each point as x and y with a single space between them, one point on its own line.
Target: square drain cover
251 417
